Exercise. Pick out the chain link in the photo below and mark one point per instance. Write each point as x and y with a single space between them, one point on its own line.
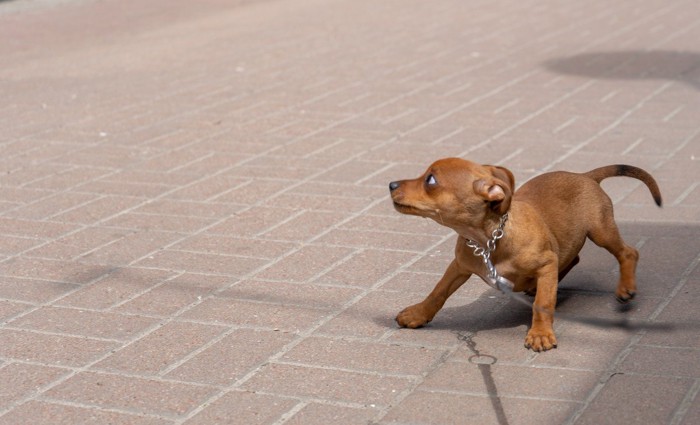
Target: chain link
485 253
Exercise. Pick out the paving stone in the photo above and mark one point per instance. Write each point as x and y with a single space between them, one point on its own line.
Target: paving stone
316 413
328 384
12 245
667 361
316 259
248 313
134 246
361 356
54 271
33 291
9 309
245 407
366 268
250 192
79 243
52 349
251 222
329 298
175 294
73 321
100 209
42 412
502 380
372 316
161 348
50 206
114 391
634 398
677 324
189 208
693 413
230 245
230 358
202 263
33 228
21 380
159 222
116 288
442 408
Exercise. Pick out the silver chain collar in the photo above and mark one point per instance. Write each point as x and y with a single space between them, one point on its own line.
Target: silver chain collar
493 278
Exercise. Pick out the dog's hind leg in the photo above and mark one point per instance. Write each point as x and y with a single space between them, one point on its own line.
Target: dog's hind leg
607 235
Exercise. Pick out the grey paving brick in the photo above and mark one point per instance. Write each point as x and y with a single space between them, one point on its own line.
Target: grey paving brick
635 398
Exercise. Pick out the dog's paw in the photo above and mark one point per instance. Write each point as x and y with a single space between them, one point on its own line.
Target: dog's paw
624 295
413 317
540 340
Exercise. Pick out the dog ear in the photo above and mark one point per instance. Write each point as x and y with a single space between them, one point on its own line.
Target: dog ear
498 189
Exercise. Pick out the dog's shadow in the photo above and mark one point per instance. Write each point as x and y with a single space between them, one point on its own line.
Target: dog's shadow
494 310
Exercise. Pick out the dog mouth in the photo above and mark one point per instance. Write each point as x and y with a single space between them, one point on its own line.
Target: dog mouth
408 209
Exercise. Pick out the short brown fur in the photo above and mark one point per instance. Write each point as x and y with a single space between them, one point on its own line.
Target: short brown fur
549 219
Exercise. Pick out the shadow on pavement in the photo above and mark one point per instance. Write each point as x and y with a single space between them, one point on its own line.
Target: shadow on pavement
682 66
666 271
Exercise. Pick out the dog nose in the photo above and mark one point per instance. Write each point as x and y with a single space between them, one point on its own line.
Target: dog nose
393 186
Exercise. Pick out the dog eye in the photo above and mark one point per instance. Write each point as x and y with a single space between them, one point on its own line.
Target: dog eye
430 180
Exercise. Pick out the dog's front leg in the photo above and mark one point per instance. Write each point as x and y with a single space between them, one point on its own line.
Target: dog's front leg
419 314
541 337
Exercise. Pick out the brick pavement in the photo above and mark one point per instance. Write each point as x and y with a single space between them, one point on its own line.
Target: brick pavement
195 226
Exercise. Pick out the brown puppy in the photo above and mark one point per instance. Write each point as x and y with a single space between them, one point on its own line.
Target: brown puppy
549 219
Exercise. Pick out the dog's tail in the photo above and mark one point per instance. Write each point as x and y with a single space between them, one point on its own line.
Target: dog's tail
629 171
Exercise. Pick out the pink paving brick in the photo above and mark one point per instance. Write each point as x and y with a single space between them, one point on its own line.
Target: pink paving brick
366 268
202 263
319 414
195 224
117 288
8 309
174 295
52 349
113 391
328 384
324 297
161 348
246 407
75 322
247 313
231 357
21 380
41 412
33 291
345 354
315 259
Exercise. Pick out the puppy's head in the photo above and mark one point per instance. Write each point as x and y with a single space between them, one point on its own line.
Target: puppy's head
455 192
